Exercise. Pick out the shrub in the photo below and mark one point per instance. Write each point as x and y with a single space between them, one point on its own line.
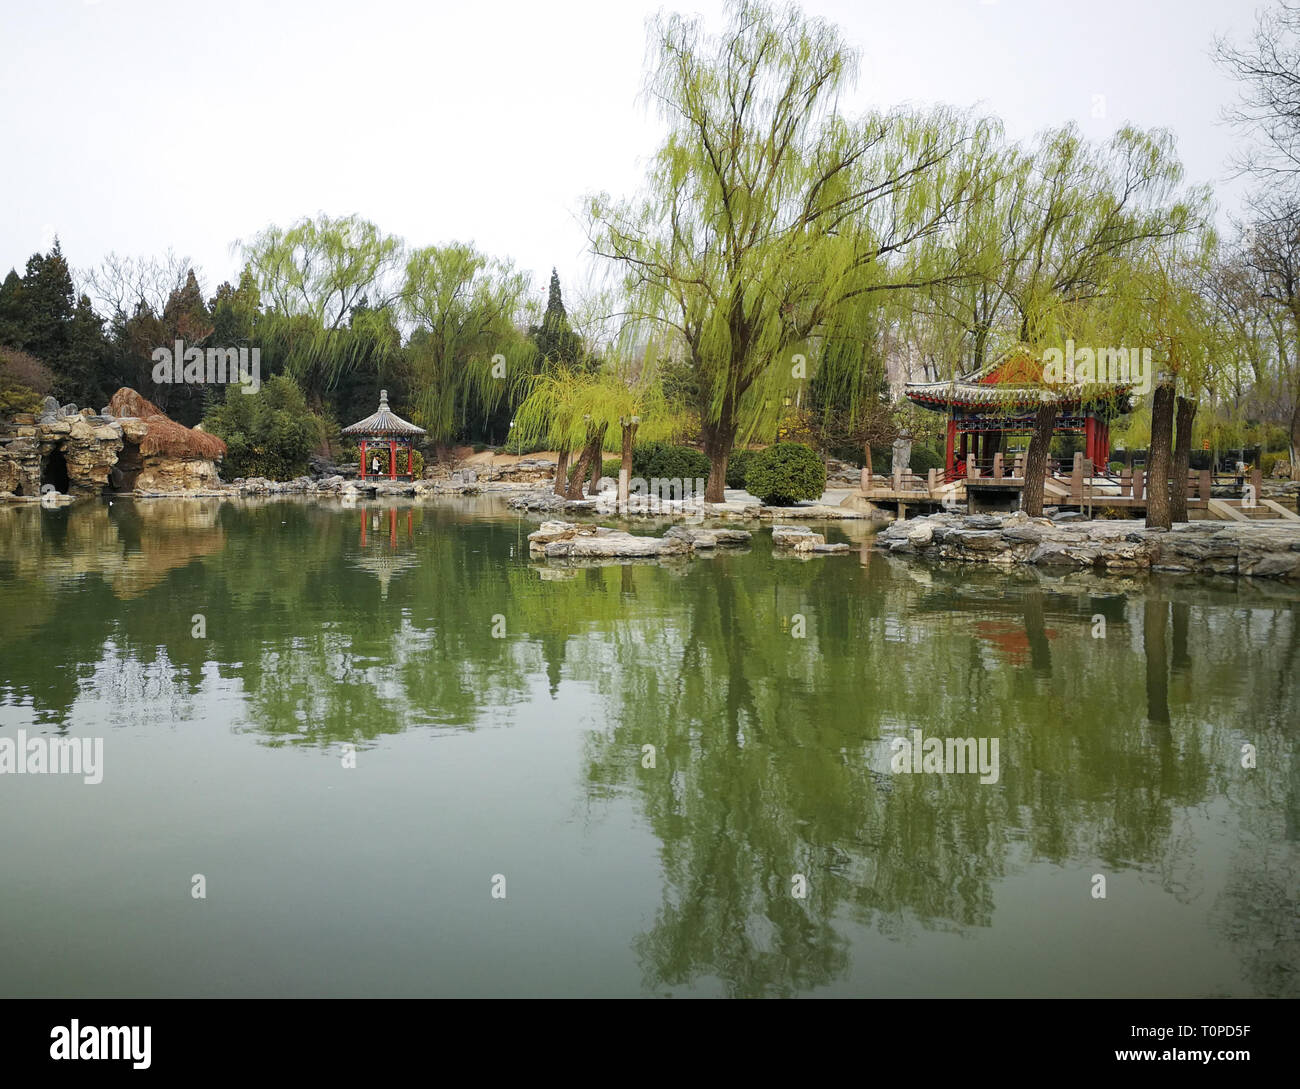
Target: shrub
416 457
15 397
658 459
785 473
736 466
610 467
1268 462
24 382
271 433
924 459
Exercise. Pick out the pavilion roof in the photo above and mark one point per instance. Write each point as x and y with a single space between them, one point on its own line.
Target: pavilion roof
384 422
1012 381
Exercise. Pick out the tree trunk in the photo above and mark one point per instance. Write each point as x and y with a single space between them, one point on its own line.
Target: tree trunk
1158 463
597 467
719 438
562 471
1031 497
595 440
625 468
1295 439
1182 459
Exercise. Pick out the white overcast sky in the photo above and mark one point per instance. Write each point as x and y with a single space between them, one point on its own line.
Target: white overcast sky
139 125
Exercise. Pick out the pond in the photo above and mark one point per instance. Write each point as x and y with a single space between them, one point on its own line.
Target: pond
377 750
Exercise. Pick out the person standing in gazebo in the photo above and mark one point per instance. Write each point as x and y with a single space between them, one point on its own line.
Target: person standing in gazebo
374 465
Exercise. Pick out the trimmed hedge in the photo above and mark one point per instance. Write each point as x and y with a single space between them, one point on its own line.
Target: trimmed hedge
658 459
784 473
737 464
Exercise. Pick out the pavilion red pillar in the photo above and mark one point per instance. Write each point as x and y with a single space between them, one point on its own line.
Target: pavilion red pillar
392 459
1090 438
950 448
363 459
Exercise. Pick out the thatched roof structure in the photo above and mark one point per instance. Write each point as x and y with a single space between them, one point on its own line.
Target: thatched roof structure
165 435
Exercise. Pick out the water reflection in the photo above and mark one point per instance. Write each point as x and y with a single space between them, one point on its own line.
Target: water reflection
770 692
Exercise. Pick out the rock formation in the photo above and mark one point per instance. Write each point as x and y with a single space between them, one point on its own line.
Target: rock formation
1261 549
132 446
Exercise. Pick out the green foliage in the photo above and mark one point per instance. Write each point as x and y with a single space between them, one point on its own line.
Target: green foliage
555 339
666 462
323 268
611 467
737 464
24 382
924 459
17 398
770 223
1267 462
271 433
415 458
466 354
41 313
786 472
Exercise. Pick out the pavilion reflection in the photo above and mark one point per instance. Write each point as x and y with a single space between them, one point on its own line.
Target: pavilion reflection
387 544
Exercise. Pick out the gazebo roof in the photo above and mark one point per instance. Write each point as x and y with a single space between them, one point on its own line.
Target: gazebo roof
1014 381
385 422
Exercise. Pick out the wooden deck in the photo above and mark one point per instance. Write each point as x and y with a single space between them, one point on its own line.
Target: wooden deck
998 488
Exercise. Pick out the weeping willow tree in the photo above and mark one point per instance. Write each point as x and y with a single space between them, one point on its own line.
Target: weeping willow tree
324 267
770 224
1068 224
1168 306
576 409
328 286
319 359
466 353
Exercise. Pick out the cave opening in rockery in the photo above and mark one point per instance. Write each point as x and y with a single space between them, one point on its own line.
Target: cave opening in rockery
54 471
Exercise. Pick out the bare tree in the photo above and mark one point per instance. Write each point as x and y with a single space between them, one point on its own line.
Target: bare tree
119 285
1268 70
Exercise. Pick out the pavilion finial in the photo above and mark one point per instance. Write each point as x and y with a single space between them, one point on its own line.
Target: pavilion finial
383 400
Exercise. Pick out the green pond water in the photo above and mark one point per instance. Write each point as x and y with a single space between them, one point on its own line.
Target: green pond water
500 708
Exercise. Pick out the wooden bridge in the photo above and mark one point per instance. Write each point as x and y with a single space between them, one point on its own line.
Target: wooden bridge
996 486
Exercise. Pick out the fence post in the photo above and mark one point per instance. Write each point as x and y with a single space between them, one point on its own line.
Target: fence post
1204 485
1139 484
1076 479
997 465
931 480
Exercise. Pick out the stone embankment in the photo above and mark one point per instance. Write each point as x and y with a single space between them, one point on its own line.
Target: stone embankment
575 540
546 501
1264 549
580 540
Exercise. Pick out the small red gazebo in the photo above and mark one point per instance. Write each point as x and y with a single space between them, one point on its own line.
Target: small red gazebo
385 428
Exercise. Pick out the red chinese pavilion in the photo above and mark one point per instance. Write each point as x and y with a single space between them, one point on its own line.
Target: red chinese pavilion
1002 398
384 429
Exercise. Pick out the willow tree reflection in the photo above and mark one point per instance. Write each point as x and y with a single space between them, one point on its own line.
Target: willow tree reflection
772 751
